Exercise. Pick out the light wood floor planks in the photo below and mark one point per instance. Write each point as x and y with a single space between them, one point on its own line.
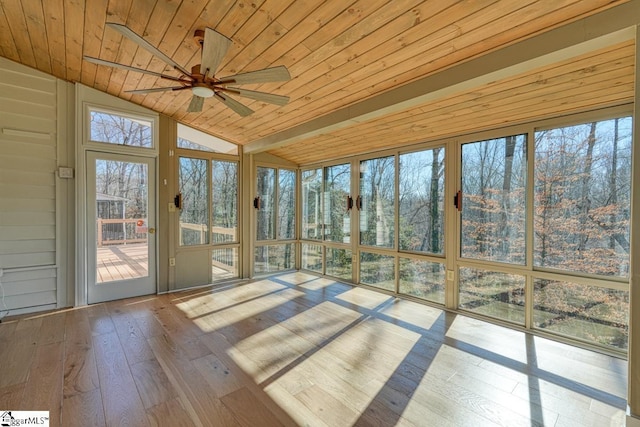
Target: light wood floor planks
296 349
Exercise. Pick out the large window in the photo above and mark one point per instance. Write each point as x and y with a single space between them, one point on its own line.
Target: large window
578 212
582 197
275 206
581 226
539 222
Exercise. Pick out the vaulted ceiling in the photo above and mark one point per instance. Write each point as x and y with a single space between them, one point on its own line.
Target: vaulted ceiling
366 75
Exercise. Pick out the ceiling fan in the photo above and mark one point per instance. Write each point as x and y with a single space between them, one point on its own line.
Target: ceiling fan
202 79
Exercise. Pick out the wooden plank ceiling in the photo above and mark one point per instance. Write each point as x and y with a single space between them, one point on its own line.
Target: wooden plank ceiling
339 53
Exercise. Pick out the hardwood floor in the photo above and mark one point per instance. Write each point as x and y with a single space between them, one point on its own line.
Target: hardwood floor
121 262
297 350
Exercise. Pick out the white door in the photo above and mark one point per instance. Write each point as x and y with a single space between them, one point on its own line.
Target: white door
121 256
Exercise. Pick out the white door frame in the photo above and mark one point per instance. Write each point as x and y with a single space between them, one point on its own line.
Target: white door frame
121 288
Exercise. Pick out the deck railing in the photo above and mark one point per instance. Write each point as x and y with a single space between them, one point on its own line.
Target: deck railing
119 231
196 234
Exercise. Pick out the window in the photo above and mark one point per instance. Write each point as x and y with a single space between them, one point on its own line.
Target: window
198 204
194 214
117 129
581 220
590 313
582 198
378 270
266 180
312 257
421 201
339 263
208 218
336 217
422 279
494 183
275 219
580 224
494 294
274 258
377 190
224 201
311 204
326 219
286 204
193 139
276 184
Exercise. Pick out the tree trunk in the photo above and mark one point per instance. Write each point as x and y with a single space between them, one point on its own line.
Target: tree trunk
584 203
509 150
613 184
434 216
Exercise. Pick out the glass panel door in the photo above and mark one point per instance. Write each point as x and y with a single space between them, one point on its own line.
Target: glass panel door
121 221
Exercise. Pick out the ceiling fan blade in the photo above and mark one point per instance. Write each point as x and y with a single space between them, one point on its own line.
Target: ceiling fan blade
214 49
242 110
258 96
128 33
195 106
274 74
158 89
126 67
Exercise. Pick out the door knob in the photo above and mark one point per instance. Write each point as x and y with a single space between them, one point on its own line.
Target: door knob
152 230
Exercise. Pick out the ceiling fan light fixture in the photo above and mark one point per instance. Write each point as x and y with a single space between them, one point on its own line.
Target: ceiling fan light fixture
202 91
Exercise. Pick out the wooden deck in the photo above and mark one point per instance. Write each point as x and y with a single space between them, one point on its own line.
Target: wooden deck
121 262
297 350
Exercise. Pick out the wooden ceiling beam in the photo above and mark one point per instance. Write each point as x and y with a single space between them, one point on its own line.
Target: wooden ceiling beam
597 31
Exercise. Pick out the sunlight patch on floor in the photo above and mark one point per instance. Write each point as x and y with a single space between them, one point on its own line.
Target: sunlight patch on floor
364 298
317 284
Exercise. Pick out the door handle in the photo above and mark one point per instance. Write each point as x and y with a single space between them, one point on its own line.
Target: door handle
152 231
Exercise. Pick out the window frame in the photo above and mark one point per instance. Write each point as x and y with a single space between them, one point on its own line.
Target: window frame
175 154
276 241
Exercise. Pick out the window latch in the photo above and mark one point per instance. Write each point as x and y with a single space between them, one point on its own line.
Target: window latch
349 203
457 200
359 203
